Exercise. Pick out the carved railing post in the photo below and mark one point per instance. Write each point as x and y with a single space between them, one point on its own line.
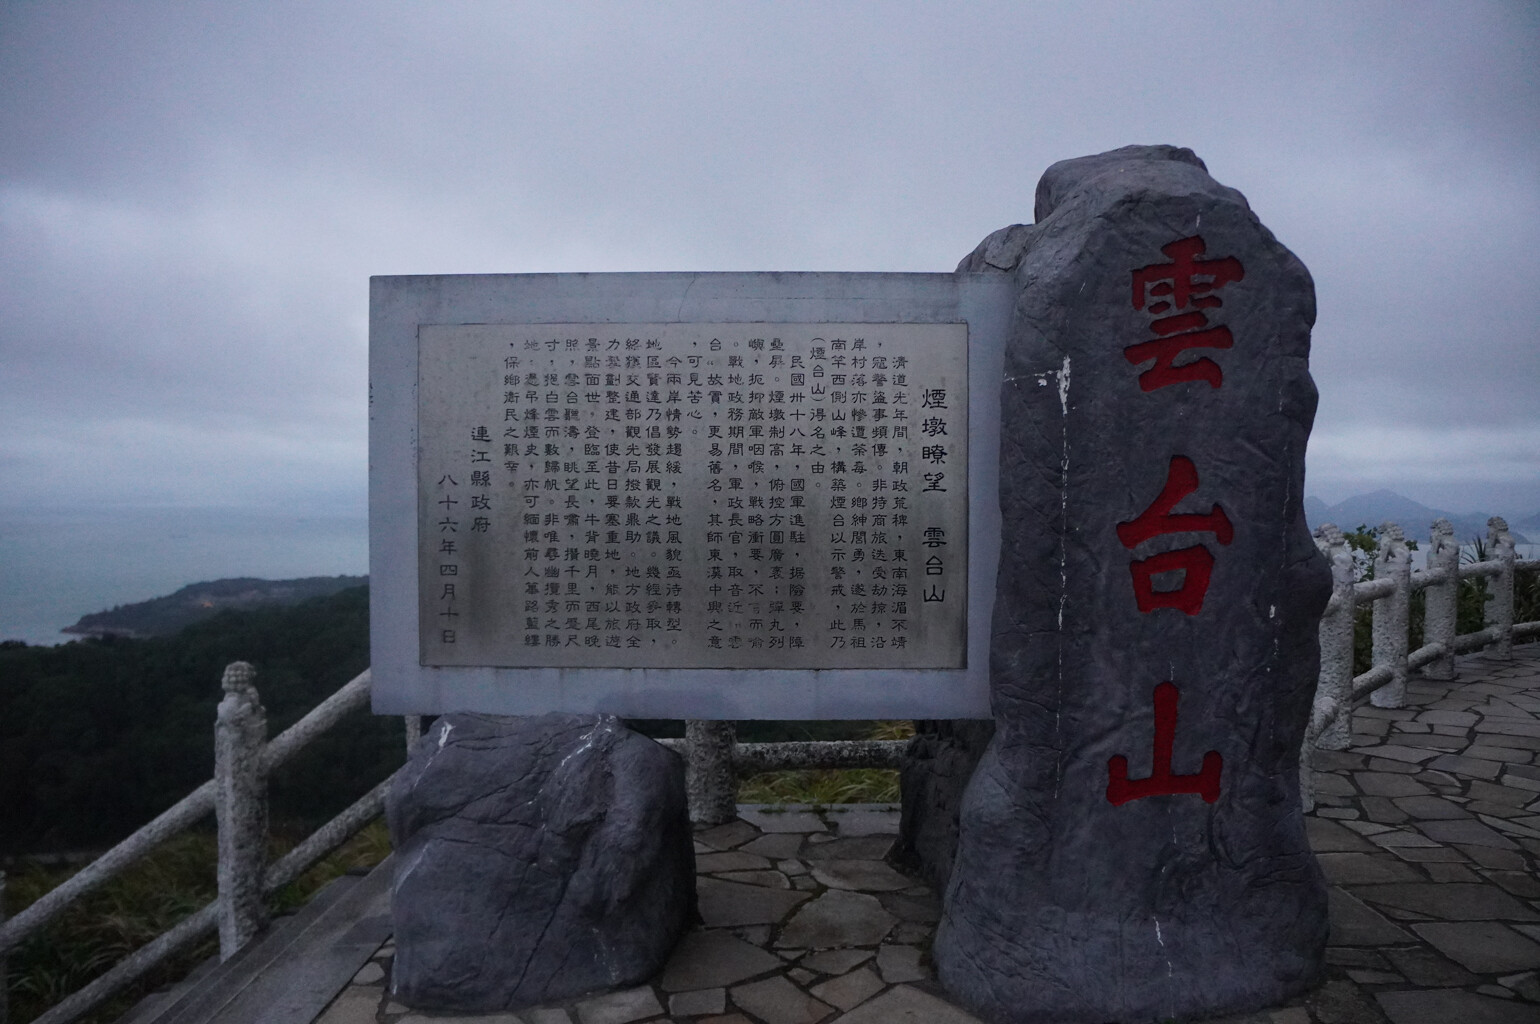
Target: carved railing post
1443 599
710 782
1335 689
1499 607
413 732
240 807
1392 615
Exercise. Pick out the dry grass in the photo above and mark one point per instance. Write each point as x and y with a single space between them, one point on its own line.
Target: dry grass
149 898
838 786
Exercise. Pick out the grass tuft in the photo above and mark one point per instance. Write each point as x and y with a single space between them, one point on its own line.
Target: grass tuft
830 786
147 899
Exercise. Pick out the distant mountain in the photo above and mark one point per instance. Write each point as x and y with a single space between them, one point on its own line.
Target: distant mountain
1387 506
163 616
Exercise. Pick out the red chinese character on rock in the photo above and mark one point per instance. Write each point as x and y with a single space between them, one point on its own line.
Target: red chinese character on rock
1195 563
1182 288
1161 782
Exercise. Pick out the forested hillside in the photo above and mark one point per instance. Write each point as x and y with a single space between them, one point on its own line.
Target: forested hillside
99 736
164 616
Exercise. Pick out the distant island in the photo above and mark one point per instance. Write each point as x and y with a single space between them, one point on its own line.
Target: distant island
1379 506
164 616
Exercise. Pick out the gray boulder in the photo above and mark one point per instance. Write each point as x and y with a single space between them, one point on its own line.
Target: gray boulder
536 859
1131 845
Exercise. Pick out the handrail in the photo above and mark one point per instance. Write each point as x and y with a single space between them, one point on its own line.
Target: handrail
233 804
241 780
1388 597
184 813
715 760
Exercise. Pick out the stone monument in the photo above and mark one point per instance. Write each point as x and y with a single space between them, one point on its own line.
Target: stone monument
700 496
1131 845
1061 486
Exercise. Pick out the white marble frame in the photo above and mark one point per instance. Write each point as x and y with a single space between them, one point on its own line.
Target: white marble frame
397 305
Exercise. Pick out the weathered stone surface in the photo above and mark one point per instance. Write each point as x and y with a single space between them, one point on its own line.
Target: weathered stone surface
697 1003
537 859
732 904
835 961
851 848
778 1001
619 1007
1426 968
905 1005
1449 901
763 879
864 821
1364 868
900 964
865 875
1444 1006
837 918
775 847
714 959
1071 898
1330 837
1473 833
1486 947
771 819
849 990
1355 924
733 860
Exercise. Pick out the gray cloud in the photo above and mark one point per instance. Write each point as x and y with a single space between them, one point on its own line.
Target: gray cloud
193 198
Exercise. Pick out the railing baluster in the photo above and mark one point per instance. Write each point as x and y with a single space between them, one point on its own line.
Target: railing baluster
710 781
1499 607
240 807
1441 610
1391 615
1334 691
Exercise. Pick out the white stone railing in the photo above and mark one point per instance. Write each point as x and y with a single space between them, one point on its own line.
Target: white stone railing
243 760
715 760
1389 595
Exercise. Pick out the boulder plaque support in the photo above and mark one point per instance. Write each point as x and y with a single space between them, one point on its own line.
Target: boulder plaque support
1131 845
537 858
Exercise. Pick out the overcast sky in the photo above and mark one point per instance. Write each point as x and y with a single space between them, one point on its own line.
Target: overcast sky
193 198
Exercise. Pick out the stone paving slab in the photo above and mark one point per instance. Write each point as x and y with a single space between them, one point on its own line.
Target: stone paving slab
1428 830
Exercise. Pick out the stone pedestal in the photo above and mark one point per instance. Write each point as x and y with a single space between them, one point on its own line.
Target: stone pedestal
536 859
1131 845
935 771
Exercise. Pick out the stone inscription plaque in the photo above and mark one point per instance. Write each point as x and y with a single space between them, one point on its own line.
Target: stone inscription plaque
693 495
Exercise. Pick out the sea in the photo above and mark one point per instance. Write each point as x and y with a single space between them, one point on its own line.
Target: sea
57 565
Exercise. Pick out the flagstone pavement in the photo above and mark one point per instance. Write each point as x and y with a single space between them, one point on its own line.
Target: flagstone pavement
1427 828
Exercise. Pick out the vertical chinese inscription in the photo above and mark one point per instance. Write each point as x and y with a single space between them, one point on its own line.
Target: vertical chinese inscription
1175 293
693 495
